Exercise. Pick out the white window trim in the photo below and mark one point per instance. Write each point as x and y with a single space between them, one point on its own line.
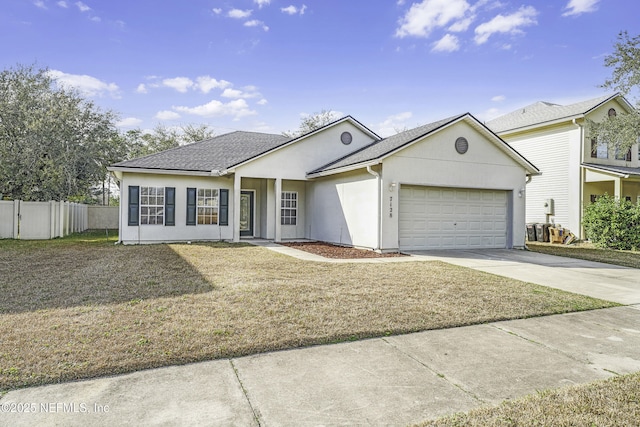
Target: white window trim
158 207
216 208
290 198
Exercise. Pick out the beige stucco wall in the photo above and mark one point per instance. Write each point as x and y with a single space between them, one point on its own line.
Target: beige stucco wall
435 162
179 232
343 209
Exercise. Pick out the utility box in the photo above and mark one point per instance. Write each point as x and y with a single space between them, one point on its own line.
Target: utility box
542 232
531 232
548 207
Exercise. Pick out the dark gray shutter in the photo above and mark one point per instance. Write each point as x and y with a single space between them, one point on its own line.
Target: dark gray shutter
134 205
191 206
170 206
224 207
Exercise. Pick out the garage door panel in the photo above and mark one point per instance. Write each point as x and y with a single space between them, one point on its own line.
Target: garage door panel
449 218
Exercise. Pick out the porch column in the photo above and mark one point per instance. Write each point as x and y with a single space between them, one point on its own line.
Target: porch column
237 184
278 191
617 188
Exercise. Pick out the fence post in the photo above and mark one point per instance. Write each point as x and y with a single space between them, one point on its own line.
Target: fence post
16 218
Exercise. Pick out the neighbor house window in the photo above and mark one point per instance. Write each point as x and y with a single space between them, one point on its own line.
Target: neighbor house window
152 205
207 206
621 155
289 208
599 150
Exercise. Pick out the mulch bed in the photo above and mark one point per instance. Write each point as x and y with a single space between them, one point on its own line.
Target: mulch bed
328 250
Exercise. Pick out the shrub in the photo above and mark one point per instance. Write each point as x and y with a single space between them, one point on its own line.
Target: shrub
612 223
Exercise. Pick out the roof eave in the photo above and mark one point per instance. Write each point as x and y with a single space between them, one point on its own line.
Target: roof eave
162 171
348 168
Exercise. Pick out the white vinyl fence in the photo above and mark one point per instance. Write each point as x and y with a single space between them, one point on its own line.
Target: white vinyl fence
41 220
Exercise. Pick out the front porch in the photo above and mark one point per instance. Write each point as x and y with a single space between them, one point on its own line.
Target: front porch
268 208
620 182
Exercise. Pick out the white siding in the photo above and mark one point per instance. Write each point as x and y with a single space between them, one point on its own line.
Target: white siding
550 152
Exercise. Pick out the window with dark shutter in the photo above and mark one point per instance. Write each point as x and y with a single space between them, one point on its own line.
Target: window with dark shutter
170 206
224 207
191 206
134 205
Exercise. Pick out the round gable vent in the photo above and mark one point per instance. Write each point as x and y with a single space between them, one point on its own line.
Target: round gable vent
612 112
462 145
346 138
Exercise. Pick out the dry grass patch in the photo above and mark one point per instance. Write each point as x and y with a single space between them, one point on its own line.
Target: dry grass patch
589 252
83 309
609 403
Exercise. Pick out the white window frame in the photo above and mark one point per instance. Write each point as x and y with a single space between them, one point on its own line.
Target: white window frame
152 205
207 206
289 208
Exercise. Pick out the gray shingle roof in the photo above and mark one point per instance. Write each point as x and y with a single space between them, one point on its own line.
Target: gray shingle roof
542 112
379 149
218 153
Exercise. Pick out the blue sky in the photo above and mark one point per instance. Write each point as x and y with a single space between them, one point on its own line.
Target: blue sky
261 65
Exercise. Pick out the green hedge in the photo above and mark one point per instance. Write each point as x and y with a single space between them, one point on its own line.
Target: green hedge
612 223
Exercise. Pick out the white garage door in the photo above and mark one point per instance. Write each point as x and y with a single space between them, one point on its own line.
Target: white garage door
452 218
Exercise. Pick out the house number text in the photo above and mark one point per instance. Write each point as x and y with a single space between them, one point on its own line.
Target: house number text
390 206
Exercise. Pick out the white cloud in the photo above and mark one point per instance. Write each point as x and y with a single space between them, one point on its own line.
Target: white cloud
393 124
181 84
207 83
86 85
511 24
462 25
261 3
167 115
83 7
448 43
40 4
128 122
256 23
250 92
424 17
578 7
237 109
63 4
262 102
96 19
142 88
239 14
217 10
292 10
498 98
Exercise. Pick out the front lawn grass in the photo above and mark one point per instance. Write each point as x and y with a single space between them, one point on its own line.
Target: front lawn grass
589 252
614 403
82 307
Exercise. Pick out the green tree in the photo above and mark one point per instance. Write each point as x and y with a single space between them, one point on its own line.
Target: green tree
54 144
162 138
621 131
312 122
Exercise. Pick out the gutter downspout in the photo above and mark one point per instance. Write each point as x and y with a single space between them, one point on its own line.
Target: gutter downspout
379 219
582 172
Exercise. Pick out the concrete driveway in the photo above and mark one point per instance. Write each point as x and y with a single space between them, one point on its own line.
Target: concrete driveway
598 280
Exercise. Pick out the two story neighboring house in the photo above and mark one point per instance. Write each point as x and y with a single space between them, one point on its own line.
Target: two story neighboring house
575 168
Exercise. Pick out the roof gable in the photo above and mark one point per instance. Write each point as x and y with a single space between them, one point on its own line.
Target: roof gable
378 150
542 113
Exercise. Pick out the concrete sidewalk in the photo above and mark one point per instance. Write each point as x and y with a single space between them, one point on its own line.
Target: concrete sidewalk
386 381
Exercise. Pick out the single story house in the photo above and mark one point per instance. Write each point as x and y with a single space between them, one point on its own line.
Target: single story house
445 185
575 168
